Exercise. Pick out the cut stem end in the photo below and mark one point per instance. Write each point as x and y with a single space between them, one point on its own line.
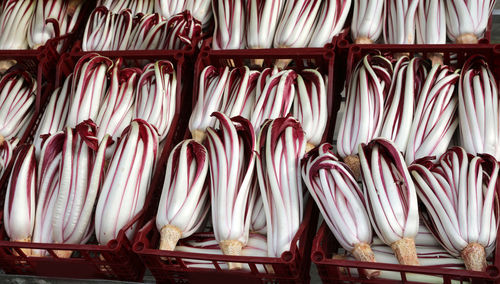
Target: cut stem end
232 247
467 39
6 64
258 62
363 40
363 252
169 236
282 63
63 253
405 251
198 135
474 257
352 161
436 58
309 147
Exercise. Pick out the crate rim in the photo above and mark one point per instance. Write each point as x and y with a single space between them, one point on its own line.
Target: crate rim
318 257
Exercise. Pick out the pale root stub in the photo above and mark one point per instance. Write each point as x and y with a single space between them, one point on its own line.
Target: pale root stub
405 251
363 40
352 161
436 58
363 252
63 253
198 135
232 247
474 257
467 39
169 236
6 64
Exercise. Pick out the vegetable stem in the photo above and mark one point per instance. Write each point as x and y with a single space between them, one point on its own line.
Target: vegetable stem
257 62
232 247
353 162
63 253
363 40
436 58
474 257
363 252
198 135
6 64
170 235
405 251
468 38
282 63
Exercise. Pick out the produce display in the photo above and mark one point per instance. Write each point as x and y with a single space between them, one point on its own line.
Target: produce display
112 95
277 23
76 169
434 119
408 77
134 157
136 7
260 95
367 24
466 21
29 24
246 162
232 162
52 18
411 163
80 172
106 30
6 153
430 22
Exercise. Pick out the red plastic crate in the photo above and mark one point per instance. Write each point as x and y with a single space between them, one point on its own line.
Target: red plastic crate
114 260
454 55
41 63
189 51
339 271
344 43
293 266
57 46
170 266
321 58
